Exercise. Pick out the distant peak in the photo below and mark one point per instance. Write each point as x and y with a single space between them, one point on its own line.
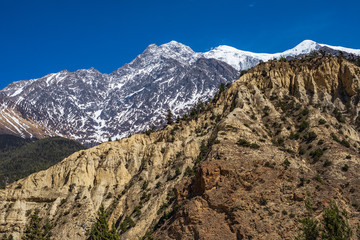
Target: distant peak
304 47
91 69
174 46
173 43
226 48
307 42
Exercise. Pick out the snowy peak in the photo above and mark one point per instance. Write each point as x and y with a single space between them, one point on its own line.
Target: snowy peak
89 106
242 60
172 50
304 47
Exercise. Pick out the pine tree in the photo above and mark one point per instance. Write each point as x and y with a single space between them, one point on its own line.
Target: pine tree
100 230
10 237
336 226
169 117
333 226
35 230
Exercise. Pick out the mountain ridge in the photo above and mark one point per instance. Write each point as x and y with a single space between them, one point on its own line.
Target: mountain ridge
306 46
92 107
245 166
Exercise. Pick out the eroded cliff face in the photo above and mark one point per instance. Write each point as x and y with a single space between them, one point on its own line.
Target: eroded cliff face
287 136
112 174
259 151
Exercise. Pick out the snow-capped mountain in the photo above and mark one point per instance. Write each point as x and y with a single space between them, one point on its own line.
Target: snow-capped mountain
242 60
89 106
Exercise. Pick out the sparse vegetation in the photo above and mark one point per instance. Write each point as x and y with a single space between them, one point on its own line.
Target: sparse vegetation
245 143
322 121
263 201
317 154
333 226
304 125
126 224
319 179
36 229
327 163
345 168
310 136
189 171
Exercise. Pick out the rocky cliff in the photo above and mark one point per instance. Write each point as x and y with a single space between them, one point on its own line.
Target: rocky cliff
241 167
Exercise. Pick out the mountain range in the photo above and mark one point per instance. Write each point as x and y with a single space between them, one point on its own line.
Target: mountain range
273 156
91 107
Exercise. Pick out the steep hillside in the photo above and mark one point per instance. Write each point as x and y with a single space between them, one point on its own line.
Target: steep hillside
20 157
241 167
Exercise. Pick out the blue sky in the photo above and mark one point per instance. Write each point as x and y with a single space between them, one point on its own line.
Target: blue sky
39 37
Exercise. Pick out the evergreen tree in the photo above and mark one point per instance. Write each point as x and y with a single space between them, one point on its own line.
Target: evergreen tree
169 117
333 226
100 230
35 230
221 87
10 237
336 226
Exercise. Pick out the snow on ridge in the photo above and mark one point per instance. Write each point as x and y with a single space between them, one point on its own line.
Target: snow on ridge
242 60
343 49
87 109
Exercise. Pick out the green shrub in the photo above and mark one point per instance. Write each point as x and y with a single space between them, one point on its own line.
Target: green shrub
243 143
189 171
254 146
305 112
345 143
317 154
322 121
327 163
263 201
177 172
145 185
304 124
295 136
319 179
334 137
335 224
280 141
310 229
345 168
126 224
302 151
310 136
338 115
286 163
10 237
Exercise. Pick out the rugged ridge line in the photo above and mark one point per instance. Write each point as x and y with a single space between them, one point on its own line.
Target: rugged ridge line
259 151
91 107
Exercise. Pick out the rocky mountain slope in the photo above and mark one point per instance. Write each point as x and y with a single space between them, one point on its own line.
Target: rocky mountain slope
282 137
90 107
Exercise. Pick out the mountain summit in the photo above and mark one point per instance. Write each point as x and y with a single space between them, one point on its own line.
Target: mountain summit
242 60
92 107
